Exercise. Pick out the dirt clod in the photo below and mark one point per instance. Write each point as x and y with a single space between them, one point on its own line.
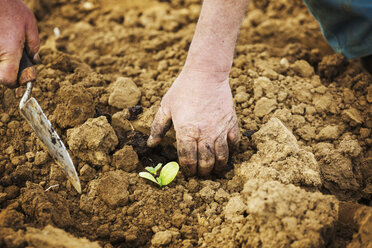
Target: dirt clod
264 106
125 159
51 237
257 204
363 217
11 218
124 93
113 188
303 68
161 238
280 157
44 207
92 141
77 107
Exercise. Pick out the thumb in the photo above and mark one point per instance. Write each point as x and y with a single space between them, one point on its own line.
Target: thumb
161 124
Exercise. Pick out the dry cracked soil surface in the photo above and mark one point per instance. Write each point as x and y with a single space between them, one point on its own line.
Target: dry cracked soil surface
302 176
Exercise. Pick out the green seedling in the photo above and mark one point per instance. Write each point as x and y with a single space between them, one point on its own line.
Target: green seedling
167 174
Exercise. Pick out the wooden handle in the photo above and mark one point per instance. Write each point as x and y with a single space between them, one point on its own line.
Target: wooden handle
26 72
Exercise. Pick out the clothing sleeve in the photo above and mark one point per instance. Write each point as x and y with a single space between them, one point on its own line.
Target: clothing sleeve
345 24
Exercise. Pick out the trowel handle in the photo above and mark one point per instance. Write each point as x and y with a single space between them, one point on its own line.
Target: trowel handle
26 72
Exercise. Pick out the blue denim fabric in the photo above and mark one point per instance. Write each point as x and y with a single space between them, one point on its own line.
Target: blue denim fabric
345 24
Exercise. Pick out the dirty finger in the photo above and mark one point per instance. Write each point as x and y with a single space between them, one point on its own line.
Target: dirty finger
222 154
187 155
206 157
233 138
161 124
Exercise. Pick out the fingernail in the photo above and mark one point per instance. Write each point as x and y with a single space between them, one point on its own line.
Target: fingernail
37 59
204 171
150 141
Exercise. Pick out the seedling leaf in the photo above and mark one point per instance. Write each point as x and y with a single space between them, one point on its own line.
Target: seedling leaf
168 173
153 170
148 176
158 167
150 169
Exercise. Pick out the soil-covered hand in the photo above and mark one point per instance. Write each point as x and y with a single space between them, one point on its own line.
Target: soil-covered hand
201 107
18 28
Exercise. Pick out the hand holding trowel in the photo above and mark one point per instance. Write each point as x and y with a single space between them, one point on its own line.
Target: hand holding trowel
35 117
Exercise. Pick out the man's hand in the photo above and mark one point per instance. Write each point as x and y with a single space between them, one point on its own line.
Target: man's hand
18 29
201 107
200 101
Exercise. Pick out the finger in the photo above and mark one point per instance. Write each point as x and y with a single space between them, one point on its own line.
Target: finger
9 63
32 40
233 138
206 157
161 124
187 155
222 154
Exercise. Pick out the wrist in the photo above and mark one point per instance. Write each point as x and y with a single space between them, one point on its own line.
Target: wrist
206 75
208 58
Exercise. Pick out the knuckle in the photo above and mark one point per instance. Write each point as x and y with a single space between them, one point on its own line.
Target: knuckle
9 80
204 171
191 131
207 154
29 16
186 149
9 84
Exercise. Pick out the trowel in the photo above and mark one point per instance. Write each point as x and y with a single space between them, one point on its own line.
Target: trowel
35 117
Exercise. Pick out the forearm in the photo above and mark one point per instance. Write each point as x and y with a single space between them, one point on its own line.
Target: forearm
212 47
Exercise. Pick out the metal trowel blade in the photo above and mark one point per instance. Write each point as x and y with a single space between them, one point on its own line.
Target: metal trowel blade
35 117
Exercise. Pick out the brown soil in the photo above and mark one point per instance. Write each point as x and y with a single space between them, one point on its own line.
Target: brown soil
302 176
